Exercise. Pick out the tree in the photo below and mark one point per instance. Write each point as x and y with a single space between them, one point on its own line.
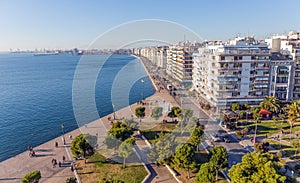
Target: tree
256 118
241 114
32 177
235 107
140 112
71 180
126 149
80 146
225 119
196 137
175 112
296 145
183 157
261 147
256 167
206 173
130 123
111 141
271 103
218 158
110 181
162 151
293 114
120 131
246 106
157 112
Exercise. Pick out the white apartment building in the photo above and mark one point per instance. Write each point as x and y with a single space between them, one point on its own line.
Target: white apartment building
180 64
289 45
239 72
157 55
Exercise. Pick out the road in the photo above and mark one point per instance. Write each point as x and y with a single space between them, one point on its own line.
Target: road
234 149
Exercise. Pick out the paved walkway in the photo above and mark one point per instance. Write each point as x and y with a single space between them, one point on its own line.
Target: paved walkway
14 169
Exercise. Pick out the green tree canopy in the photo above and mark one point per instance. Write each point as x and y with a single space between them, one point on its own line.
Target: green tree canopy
111 141
130 123
157 112
206 173
235 107
197 137
162 151
80 146
183 157
110 181
71 180
219 158
175 112
126 149
271 103
120 131
140 112
32 177
256 167
293 113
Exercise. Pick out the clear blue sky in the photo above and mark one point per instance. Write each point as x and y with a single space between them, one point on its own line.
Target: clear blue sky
29 24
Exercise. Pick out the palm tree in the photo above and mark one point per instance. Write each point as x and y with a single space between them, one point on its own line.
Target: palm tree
293 113
271 103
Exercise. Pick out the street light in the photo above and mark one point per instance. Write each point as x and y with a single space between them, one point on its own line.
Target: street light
114 111
63 133
142 81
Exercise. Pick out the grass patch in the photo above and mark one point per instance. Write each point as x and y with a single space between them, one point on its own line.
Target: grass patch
98 167
152 134
272 128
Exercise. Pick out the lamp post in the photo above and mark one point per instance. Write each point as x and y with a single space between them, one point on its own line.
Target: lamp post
114 112
63 133
142 81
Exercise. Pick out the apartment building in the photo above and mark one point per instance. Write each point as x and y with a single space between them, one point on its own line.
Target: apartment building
180 64
241 71
156 55
289 45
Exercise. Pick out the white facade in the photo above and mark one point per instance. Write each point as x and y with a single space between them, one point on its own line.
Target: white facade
238 73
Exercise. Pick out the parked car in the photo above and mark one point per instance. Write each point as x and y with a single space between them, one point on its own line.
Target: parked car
227 140
218 139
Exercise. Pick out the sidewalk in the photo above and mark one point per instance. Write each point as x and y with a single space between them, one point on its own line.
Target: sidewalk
14 169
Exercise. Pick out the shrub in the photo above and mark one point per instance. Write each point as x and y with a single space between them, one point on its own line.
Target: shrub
239 134
279 154
32 177
71 180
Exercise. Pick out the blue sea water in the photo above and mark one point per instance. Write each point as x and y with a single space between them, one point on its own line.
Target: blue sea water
36 94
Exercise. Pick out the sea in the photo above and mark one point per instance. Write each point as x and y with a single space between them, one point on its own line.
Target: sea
40 93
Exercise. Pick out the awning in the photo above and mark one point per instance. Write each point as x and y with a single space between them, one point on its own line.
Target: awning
264 112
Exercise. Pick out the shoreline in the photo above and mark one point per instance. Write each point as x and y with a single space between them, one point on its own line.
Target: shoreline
153 85
14 168
145 68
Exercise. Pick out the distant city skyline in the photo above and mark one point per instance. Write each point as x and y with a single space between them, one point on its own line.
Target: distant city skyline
68 24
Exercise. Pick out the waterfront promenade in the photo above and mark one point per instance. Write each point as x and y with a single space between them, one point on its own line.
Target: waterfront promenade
13 170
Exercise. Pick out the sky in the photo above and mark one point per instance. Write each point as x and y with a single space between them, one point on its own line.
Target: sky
30 24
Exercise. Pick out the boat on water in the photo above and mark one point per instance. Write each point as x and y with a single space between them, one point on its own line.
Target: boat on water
45 53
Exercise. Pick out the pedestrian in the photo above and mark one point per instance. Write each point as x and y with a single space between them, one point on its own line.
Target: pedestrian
72 168
64 158
56 144
53 162
59 164
70 136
